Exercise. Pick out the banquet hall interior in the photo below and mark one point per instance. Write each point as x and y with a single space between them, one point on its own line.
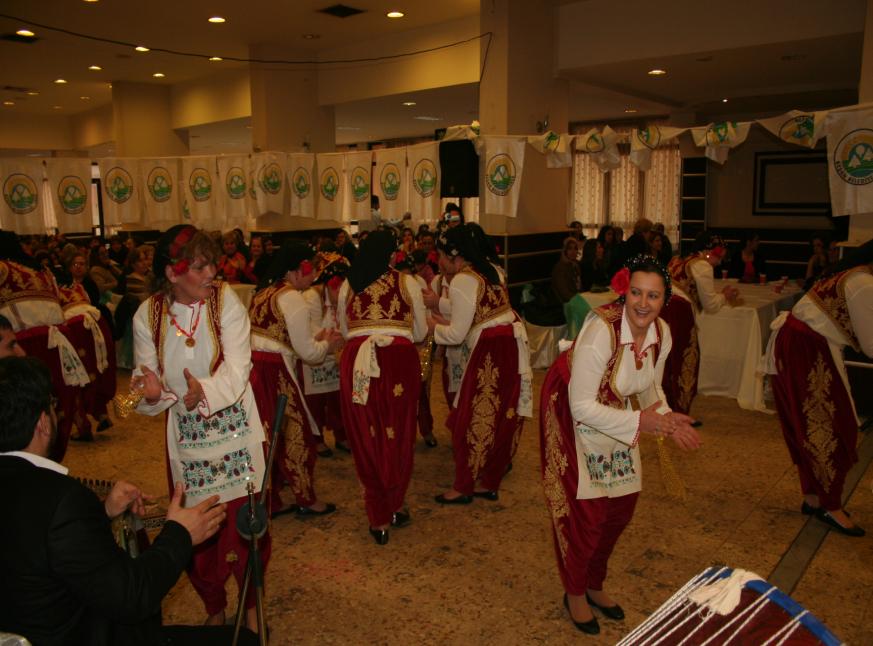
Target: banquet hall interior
125 84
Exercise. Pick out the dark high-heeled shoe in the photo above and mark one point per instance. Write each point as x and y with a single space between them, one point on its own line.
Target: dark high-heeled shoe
591 627
380 536
808 510
308 512
487 495
459 500
401 519
610 612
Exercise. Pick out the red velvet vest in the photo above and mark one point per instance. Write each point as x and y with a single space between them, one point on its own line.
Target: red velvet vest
20 283
830 295
384 303
73 295
492 300
159 318
266 317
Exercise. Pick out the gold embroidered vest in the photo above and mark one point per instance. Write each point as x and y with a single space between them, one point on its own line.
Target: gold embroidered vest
73 295
830 296
492 300
266 317
384 303
20 283
159 318
681 277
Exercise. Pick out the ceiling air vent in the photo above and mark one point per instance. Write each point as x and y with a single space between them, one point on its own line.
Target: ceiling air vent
341 11
15 38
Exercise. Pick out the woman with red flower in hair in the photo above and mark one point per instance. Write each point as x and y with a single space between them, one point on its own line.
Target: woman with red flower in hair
589 432
281 337
193 358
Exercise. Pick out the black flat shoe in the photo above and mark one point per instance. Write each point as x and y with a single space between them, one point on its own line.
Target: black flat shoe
290 509
325 453
487 495
431 442
809 510
104 424
827 519
612 612
460 500
342 447
307 512
380 536
590 627
401 519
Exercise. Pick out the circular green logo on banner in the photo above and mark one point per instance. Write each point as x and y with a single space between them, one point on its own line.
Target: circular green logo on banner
253 190
200 184
301 183
853 157
72 195
20 193
360 184
594 144
160 184
329 183
719 133
551 141
424 178
118 184
798 130
500 174
650 136
270 178
235 182
390 181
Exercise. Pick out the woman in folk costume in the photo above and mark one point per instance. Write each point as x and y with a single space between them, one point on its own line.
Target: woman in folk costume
693 292
810 385
405 263
320 381
589 433
193 358
281 337
494 393
436 298
382 316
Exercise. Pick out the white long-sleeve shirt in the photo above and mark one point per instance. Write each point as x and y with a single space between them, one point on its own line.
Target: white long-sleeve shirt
296 309
463 295
704 277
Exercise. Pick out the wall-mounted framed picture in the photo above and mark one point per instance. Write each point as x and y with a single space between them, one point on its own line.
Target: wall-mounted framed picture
791 183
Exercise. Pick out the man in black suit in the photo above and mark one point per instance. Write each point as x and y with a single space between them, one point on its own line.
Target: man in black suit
63 579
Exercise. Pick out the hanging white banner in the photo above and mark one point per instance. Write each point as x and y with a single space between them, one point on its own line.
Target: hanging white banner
602 146
555 147
796 127
161 193
423 163
359 171
301 169
236 203
331 187
202 193
644 140
270 170
23 210
390 183
456 133
720 137
504 163
122 191
70 187
850 161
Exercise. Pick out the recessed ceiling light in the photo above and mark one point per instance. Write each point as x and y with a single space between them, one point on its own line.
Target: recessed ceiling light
9 103
724 100
91 0
158 75
217 20
33 93
110 85
248 127
57 107
311 36
140 48
216 58
630 110
85 98
60 81
425 118
95 68
657 72
395 14
26 33
409 103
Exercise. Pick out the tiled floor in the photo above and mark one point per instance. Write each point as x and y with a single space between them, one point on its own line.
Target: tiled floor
486 573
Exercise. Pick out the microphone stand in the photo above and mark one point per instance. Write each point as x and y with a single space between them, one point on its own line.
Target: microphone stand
251 523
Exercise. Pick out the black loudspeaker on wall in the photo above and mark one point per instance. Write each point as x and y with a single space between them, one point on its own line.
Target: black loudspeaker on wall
459 167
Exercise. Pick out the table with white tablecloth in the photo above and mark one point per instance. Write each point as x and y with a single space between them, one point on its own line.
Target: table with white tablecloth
733 339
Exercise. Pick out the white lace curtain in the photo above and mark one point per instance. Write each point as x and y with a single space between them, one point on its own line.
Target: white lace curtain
625 194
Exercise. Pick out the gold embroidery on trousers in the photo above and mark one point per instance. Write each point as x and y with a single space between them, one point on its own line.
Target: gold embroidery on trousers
688 374
486 403
295 444
819 411
556 465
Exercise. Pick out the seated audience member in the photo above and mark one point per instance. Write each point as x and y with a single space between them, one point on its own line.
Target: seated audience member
138 284
344 245
660 248
117 251
232 266
748 263
102 271
818 262
66 581
407 240
8 341
566 277
594 266
258 263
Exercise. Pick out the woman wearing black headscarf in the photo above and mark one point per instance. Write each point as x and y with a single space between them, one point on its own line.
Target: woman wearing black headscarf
494 378
381 313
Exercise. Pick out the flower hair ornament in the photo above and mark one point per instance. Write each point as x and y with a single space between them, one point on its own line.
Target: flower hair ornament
305 268
620 282
179 264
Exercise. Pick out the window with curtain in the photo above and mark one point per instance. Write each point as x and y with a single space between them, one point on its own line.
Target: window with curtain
661 193
588 195
624 195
